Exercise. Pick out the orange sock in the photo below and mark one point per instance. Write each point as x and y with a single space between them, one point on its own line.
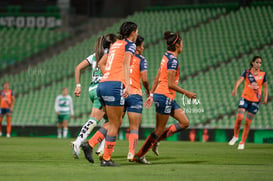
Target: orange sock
246 130
237 125
8 124
133 139
98 137
110 142
1 118
152 138
170 131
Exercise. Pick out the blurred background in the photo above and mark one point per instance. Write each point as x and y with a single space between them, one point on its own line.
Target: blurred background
42 41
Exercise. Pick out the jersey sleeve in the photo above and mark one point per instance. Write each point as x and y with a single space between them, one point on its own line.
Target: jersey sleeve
90 58
130 48
172 64
56 104
243 74
143 64
265 79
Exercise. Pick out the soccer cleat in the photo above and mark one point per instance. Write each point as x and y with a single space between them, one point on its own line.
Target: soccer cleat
87 149
75 150
8 135
109 163
155 148
241 146
233 140
59 136
130 157
141 160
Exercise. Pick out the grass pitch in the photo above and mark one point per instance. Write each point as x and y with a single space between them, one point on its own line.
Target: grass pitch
51 159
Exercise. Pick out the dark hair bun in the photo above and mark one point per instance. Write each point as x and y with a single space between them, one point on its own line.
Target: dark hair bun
167 35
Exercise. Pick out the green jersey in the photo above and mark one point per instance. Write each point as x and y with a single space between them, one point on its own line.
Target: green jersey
96 73
64 105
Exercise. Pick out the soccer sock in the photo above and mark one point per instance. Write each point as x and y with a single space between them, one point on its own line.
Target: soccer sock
110 142
86 130
246 130
1 118
152 138
8 125
174 128
59 132
65 132
237 125
98 137
133 139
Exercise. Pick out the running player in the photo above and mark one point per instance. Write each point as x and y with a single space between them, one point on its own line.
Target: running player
6 107
114 87
102 46
133 103
255 81
64 109
164 89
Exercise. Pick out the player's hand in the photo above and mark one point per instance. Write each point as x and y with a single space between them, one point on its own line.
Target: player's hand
11 109
125 92
190 95
148 103
264 101
77 91
72 116
58 113
234 93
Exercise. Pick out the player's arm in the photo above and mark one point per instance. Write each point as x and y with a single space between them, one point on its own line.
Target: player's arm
126 72
78 69
12 102
148 103
56 105
238 82
173 86
145 82
102 63
265 93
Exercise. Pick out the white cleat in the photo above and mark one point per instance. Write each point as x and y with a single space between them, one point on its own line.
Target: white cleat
8 135
155 148
141 160
241 146
233 141
75 150
130 157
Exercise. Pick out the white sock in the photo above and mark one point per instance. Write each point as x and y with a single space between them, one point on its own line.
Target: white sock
65 132
101 147
59 132
86 130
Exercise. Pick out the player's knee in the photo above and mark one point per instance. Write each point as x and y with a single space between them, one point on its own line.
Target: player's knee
240 117
185 124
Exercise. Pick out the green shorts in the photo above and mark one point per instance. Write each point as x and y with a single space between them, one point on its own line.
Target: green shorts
93 96
63 117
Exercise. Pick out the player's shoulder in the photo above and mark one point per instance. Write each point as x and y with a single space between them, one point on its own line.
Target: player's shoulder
91 58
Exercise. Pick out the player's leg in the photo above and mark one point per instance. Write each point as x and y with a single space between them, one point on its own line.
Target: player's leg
252 110
114 114
8 115
1 118
134 121
95 116
237 125
161 121
59 127
65 128
133 104
243 105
